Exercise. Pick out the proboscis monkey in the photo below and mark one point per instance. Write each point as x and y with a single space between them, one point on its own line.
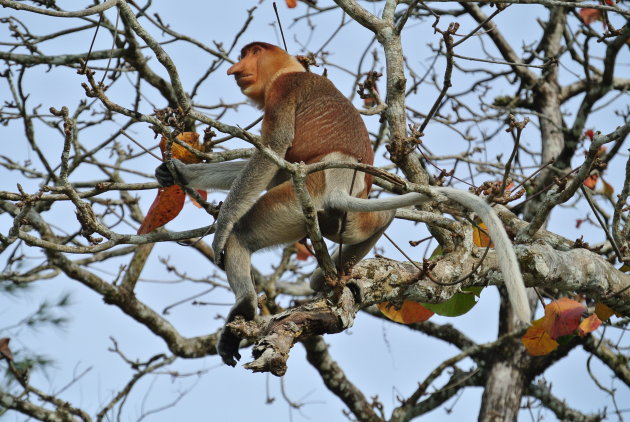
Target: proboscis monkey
306 119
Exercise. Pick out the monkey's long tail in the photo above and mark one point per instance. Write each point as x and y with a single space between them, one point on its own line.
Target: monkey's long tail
502 245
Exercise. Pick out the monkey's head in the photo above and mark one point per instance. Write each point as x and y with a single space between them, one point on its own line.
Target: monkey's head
259 65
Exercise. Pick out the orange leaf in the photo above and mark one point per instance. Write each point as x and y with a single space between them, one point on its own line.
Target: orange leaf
181 153
588 325
408 313
302 251
167 204
480 238
589 16
204 196
537 341
170 201
591 181
291 3
562 317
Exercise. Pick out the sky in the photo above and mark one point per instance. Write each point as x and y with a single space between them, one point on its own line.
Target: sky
382 359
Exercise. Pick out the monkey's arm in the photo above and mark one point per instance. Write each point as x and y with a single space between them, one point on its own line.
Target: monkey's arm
502 244
203 175
277 134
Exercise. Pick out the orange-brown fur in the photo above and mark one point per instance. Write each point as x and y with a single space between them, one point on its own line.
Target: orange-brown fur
306 119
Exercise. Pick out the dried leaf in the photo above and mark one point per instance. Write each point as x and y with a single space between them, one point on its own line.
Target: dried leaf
370 100
562 317
408 313
604 312
589 16
537 341
204 196
291 3
5 351
608 189
588 325
167 204
181 153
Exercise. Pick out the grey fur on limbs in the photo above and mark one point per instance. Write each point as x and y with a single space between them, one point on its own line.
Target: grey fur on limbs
502 244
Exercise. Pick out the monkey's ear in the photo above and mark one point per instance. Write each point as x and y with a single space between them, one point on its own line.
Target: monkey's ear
306 62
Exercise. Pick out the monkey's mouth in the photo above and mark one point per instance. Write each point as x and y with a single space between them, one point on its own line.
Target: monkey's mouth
244 79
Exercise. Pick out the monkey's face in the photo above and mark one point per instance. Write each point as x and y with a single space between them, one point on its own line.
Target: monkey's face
259 65
247 72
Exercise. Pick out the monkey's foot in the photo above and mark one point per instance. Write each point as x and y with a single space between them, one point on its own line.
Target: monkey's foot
228 347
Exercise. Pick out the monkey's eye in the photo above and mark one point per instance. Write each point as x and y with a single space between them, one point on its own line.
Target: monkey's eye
255 50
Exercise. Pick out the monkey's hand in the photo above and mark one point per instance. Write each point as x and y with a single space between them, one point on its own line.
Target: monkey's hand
228 347
164 176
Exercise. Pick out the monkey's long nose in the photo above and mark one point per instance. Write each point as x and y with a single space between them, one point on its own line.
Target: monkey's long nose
235 68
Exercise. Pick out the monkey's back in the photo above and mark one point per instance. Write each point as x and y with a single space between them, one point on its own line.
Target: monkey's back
325 121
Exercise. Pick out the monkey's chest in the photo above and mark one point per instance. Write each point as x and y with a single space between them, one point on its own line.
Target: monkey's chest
319 134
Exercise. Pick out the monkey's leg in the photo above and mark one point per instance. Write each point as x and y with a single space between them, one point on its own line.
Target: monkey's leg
361 232
276 218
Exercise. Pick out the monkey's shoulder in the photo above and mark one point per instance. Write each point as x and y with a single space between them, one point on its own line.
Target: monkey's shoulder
297 87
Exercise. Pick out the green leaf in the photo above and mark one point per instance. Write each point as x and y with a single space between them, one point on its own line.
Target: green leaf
458 305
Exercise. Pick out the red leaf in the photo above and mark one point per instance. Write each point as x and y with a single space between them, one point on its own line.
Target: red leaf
167 204
589 132
562 317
